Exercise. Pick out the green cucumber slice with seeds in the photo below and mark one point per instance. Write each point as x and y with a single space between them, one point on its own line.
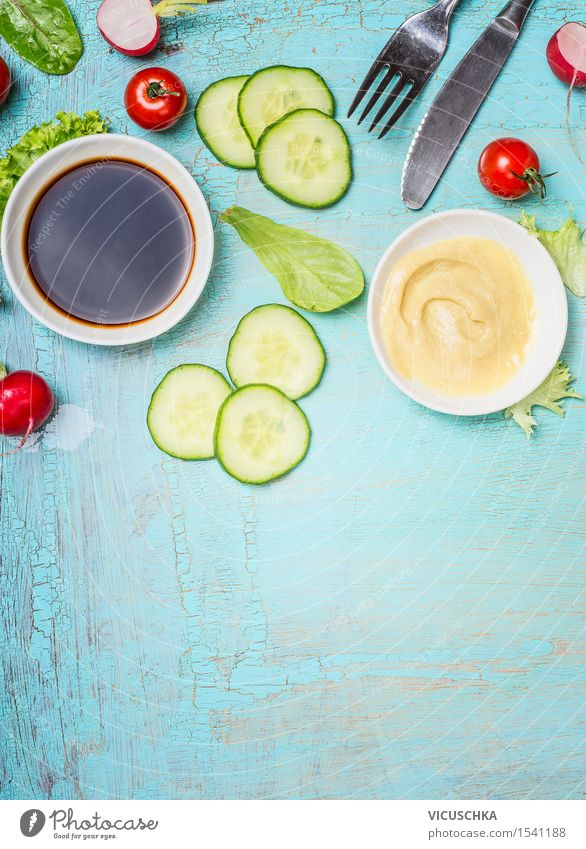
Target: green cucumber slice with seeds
273 92
216 116
305 159
260 434
183 411
275 345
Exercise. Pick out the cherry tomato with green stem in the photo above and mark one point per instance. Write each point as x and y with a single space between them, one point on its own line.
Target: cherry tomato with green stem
509 168
155 99
5 81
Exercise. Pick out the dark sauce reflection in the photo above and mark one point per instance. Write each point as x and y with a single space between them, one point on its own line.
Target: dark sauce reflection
110 242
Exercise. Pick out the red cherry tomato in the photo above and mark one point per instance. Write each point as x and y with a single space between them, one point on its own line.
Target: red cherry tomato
5 81
509 168
155 99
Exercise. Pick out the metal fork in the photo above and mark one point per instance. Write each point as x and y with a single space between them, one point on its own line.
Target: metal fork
412 54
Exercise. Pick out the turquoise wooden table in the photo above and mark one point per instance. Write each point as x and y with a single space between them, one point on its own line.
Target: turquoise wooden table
403 616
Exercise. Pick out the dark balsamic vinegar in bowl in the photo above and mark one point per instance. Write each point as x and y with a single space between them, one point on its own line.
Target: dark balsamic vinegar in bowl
110 243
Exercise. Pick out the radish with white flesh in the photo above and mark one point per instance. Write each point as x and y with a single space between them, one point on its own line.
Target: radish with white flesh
26 402
133 26
566 54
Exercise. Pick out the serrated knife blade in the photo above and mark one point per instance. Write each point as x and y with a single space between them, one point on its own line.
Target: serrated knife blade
457 102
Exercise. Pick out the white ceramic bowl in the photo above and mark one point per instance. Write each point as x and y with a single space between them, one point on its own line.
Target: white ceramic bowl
62 159
548 290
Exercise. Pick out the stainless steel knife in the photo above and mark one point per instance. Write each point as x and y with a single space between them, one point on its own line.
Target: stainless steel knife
458 101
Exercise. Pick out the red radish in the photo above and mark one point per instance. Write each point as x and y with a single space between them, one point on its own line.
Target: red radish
26 402
132 26
566 54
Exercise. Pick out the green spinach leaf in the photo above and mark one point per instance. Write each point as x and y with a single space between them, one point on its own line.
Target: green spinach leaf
42 32
314 274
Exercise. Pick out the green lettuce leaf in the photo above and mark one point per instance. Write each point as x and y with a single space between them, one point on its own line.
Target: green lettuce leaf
567 247
39 140
314 273
555 387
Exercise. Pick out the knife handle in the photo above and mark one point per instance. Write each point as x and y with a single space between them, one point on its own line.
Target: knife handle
515 13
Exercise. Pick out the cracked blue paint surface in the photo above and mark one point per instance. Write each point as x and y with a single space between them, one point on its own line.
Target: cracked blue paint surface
403 616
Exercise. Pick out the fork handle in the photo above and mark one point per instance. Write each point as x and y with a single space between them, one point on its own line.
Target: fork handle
447 6
515 13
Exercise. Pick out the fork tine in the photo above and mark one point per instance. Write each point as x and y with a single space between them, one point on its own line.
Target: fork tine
368 80
397 89
400 110
380 89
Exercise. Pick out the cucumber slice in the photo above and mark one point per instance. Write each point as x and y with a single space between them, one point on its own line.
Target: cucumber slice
217 122
273 92
183 411
274 344
260 434
305 159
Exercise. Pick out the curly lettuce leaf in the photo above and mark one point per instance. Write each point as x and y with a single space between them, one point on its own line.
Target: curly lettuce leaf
567 247
314 274
38 140
555 387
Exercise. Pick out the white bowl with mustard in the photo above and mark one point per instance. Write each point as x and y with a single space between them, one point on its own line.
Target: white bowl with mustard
467 312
